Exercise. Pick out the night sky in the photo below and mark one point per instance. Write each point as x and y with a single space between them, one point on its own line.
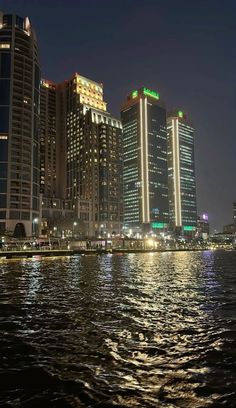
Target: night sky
184 49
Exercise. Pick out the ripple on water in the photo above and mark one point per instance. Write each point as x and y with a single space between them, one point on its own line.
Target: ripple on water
150 330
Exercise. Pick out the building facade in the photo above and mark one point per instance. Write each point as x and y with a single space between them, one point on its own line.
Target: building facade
145 173
203 227
234 212
81 155
181 174
48 139
93 141
19 126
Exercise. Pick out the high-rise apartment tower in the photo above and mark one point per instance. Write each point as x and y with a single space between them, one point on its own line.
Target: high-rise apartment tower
19 126
87 144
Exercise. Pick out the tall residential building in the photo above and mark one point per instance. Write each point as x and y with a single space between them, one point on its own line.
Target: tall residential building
19 123
88 161
181 171
94 157
48 139
145 172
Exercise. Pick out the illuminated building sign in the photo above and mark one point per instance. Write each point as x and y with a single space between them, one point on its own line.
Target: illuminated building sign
158 225
134 94
205 217
189 228
151 93
180 114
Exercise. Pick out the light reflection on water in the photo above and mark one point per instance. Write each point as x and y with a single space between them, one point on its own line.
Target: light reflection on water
146 330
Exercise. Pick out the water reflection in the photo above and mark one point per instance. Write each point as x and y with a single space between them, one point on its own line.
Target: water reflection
146 330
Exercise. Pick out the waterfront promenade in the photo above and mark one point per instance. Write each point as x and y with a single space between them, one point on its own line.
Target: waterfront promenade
97 247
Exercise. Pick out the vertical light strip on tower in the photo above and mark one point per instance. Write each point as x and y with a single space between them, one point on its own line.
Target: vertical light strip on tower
141 156
176 172
147 216
174 167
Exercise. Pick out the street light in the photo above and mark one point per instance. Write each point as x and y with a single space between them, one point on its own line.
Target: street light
74 225
35 221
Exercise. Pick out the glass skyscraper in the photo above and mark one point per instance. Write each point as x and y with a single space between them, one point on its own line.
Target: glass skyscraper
145 174
181 169
19 126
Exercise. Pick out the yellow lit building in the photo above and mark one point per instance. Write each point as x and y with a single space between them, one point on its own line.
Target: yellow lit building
90 92
88 154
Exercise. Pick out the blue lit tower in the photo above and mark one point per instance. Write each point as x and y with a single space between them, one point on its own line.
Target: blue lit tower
19 119
145 174
181 173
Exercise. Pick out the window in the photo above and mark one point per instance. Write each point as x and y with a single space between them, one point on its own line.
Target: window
6 45
3 200
4 119
3 170
3 186
7 19
4 92
5 65
3 150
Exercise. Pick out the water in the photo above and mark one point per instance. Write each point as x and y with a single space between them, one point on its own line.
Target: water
135 330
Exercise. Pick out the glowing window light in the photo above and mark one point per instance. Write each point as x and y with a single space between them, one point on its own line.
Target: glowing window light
6 45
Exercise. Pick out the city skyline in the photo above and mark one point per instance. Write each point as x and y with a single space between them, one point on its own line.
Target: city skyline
193 83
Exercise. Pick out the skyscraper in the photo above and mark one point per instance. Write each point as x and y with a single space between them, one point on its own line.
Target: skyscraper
48 139
88 152
181 169
145 174
19 122
94 157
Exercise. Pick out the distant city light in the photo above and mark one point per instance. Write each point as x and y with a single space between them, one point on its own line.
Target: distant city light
188 228
158 225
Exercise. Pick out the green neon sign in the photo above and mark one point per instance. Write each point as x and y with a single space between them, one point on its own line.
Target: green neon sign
158 225
151 93
180 114
134 94
189 228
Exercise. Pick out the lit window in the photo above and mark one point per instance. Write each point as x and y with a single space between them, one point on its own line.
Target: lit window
5 45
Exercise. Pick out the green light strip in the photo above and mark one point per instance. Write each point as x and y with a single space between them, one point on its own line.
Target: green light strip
189 228
158 225
151 93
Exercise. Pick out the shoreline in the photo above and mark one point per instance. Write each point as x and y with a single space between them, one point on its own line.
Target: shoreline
71 252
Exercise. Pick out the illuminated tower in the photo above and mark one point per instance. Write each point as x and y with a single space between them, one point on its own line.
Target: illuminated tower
181 168
92 141
19 125
145 175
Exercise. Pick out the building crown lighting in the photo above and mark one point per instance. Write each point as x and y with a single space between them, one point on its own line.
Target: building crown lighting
146 92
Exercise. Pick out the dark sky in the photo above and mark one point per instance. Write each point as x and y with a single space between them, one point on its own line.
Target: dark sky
185 49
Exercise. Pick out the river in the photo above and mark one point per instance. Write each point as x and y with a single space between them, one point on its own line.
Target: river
134 330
